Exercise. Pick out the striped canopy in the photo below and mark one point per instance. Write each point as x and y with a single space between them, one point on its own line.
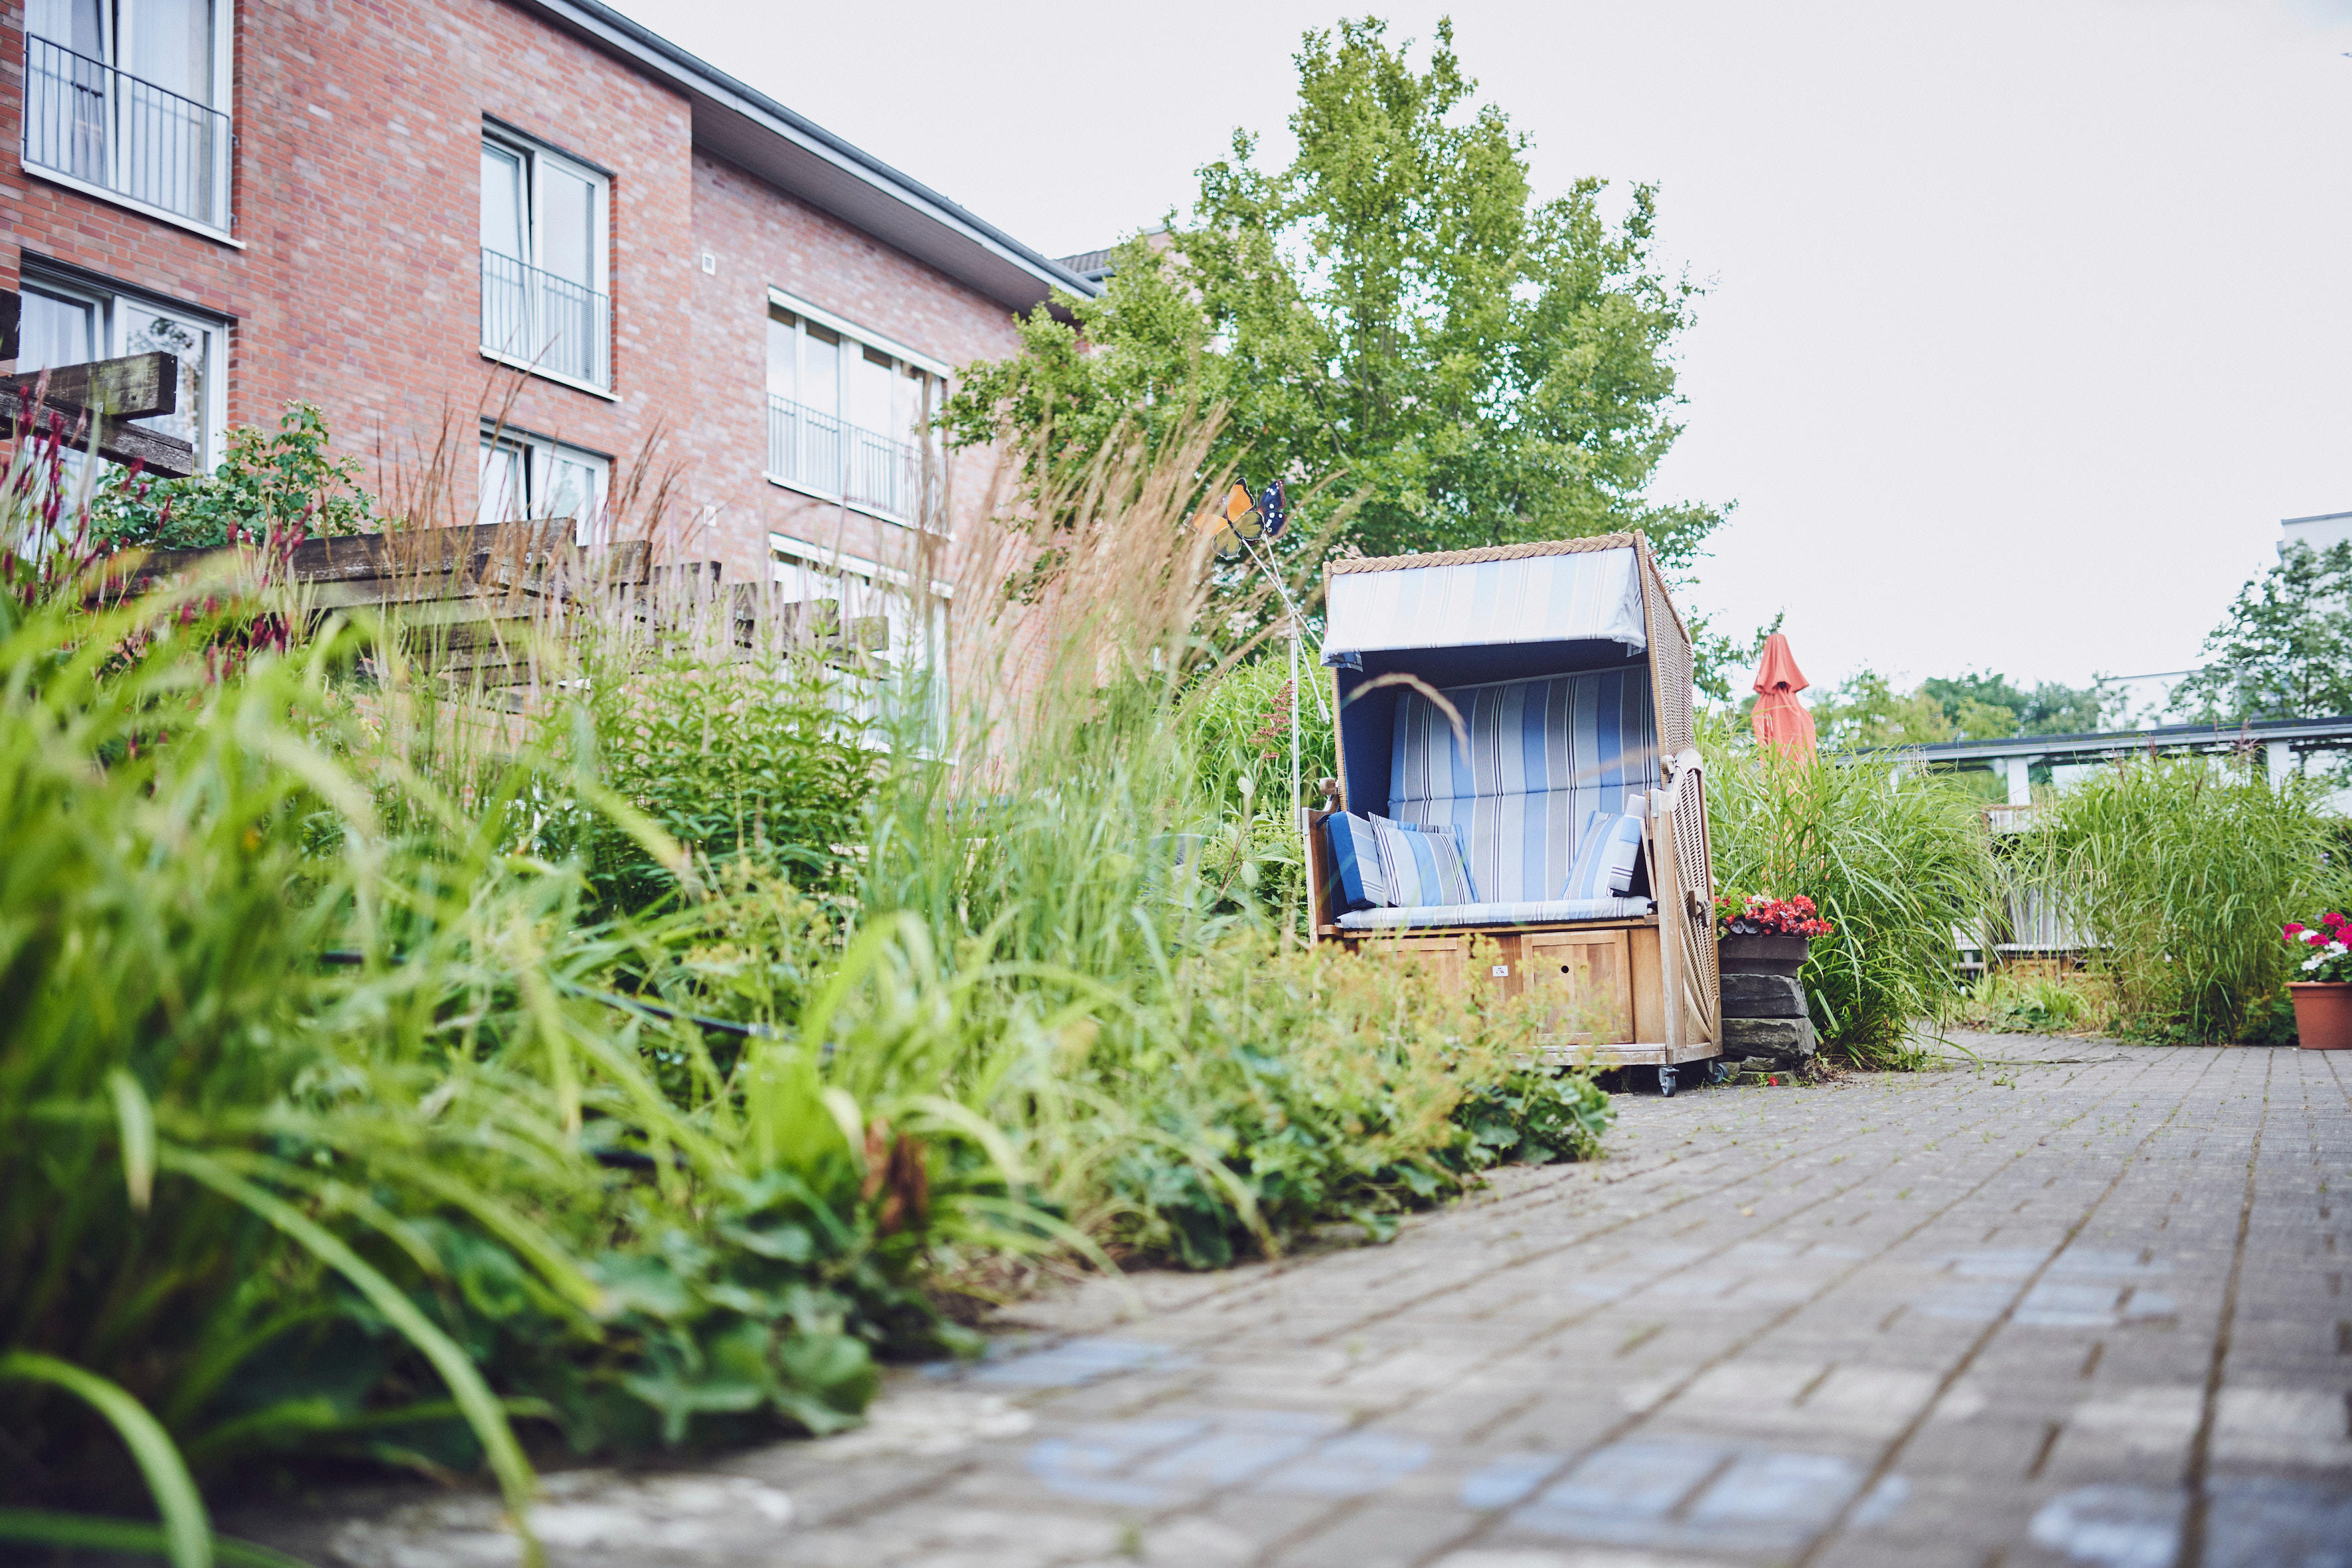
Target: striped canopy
1468 598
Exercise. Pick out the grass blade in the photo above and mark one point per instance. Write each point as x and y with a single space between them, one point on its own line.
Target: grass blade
185 1534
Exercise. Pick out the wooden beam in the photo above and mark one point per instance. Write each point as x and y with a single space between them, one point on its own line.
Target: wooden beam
118 442
129 388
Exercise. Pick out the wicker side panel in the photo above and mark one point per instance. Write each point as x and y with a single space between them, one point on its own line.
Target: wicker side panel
1670 663
1695 862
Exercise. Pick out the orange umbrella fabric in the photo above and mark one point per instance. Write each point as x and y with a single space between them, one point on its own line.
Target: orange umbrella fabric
1780 719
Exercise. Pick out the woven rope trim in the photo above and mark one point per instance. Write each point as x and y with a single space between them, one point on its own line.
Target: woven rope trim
1490 553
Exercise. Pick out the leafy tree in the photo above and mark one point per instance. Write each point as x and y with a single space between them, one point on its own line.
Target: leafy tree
278 481
2050 709
2284 648
1392 311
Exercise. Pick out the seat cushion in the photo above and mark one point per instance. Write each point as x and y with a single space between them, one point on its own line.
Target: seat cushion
1537 912
1543 756
1356 860
1422 863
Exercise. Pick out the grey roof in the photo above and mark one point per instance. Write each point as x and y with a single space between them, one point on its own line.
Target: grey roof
1094 265
755 133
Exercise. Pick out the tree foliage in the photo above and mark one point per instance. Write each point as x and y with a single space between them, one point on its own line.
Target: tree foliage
1392 311
2284 648
1867 710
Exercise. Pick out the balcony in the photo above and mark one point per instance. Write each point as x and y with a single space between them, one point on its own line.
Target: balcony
544 323
109 132
815 451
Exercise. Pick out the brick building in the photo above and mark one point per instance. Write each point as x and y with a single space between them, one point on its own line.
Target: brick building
527 232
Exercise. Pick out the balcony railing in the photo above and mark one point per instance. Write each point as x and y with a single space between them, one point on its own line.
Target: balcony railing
820 452
107 128
547 322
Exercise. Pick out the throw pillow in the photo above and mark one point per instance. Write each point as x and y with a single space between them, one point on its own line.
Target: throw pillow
1423 863
1356 857
1606 859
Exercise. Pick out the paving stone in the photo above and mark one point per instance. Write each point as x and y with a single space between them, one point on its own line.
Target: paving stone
1957 1317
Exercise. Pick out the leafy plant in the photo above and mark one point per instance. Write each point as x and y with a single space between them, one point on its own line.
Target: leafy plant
2181 873
281 484
1896 859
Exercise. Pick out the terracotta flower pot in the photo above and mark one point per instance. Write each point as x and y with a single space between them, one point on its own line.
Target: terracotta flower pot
2323 1014
1759 955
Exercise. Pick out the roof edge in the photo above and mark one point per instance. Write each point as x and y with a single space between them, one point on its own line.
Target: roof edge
643 46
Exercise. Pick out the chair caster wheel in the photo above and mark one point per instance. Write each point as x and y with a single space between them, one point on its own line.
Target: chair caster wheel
1719 1070
1666 1082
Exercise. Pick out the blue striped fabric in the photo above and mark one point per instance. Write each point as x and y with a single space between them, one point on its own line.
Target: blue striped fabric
1544 756
1423 864
1541 910
1356 856
1611 849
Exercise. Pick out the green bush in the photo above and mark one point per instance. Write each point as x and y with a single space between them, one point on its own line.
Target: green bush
1895 858
271 484
384 1069
2180 872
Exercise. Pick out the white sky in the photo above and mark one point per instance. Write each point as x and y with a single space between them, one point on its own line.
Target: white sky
2029 319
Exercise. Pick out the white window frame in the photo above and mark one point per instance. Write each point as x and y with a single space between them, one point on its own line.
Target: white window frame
224 102
854 338
540 455
533 153
117 307
912 650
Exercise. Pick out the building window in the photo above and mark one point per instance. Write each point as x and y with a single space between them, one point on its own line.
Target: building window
546 304
69 324
887 632
527 478
128 98
850 416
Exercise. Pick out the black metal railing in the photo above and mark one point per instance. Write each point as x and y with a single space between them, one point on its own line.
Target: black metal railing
548 322
107 128
821 452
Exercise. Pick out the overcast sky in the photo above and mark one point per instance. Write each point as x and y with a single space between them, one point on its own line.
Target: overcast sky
2029 319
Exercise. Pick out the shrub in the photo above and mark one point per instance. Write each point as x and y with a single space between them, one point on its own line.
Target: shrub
1895 859
2180 873
278 483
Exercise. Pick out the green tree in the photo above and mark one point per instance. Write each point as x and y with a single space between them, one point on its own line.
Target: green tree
1392 311
1970 701
2285 649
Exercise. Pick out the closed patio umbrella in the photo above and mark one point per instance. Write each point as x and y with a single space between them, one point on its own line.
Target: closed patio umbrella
1780 719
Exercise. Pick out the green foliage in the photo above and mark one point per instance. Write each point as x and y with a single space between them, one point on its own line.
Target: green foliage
1393 309
2006 1002
277 484
734 757
382 1068
2180 872
1894 859
1866 711
2285 649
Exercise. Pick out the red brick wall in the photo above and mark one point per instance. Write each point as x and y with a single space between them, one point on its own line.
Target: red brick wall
357 200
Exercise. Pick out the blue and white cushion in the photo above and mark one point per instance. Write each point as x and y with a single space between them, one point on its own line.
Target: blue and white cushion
1544 756
1423 864
1606 859
1356 859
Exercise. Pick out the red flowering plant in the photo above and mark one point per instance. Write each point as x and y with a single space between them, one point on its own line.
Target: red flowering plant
1761 914
2324 952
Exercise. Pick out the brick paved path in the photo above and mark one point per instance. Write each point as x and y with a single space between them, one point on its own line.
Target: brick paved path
2087 1312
